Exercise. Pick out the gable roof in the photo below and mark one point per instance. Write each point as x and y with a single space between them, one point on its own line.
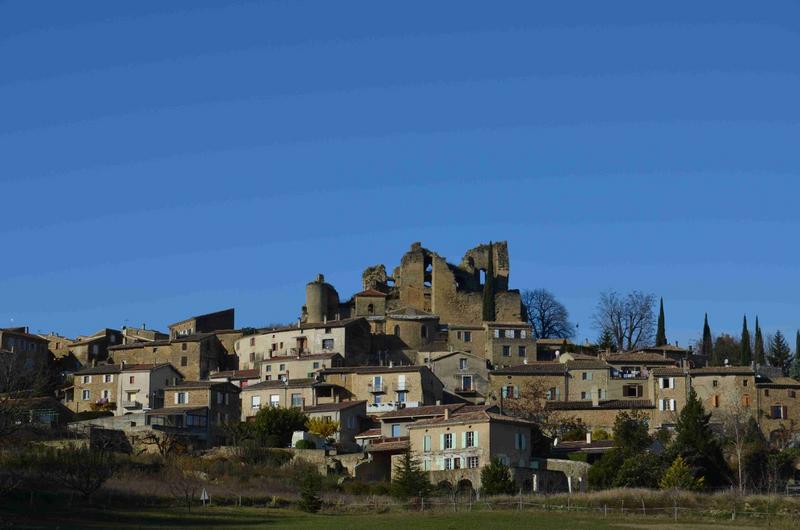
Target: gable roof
471 416
332 407
277 383
416 412
374 369
302 357
587 364
722 370
315 325
371 293
200 384
639 357
669 371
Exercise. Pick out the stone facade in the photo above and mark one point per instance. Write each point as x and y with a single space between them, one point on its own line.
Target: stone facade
208 323
509 343
221 399
718 387
299 366
91 349
195 356
463 374
95 387
295 393
142 387
778 406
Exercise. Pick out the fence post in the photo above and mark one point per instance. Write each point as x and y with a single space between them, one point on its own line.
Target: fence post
622 510
422 504
520 500
605 511
675 509
644 510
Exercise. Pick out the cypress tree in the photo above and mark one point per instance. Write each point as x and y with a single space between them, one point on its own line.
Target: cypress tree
746 355
409 480
794 371
758 346
488 288
661 334
707 347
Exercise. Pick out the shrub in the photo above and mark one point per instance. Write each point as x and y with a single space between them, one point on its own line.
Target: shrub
680 476
600 434
323 427
305 444
274 426
496 479
309 494
409 480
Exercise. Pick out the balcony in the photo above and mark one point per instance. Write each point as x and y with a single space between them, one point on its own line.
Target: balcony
377 389
466 391
131 404
391 406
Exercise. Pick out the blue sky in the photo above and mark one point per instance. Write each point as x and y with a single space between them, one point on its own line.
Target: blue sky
162 159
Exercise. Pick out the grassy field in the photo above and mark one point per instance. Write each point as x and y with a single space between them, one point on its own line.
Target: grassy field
261 518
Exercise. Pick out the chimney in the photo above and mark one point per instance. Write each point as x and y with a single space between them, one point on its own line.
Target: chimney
446 413
325 318
438 402
123 364
588 437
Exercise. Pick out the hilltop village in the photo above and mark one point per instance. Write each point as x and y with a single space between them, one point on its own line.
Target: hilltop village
434 358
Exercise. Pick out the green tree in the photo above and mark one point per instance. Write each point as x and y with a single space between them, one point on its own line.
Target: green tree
274 426
631 432
794 371
409 480
310 500
758 346
707 346
640 471
661 332
780 355
488 288
680 476
746 355
620 465
606 341
696 444
496 479
726 347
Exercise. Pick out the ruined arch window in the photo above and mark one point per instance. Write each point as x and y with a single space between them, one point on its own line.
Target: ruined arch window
370 309
423 332
397 331
483 276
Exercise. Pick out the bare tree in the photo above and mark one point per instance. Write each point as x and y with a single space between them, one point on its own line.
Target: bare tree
530 403
166 444
736 418
547 316
630 318
182 478
79 468
21 377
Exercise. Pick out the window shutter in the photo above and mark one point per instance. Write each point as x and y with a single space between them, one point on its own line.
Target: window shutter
475 438
523 443
176 398
516 391
672 382
784 412
463 440
440 463
441 441
660 404
672 404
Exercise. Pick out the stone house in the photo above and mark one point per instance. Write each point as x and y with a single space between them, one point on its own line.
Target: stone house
349 414
207 323
196 410
588 380
351 338
387 388
299 366
719 387
509 343
90 349
196 356
395 424
778 406
463 374
142 334
454 447
96 387
291 393
551 377
25 351
601 414
467 338
669 391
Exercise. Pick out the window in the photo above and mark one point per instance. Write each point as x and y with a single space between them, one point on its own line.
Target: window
327 330
509 334
327 344
744 382
792 394
716 401
466 382
506 351
297 400
106 394
108 378
666 404
316 365
448 463
447 440
523 333
181 398
469 439
715 383
86 395
370 309
255 402
632 390
183 346
467 336
252 356
377 383
472 462
778 412
86 379
395 430
745 400
497 333
268 368
131 379
281 367
519 441
462 363
184 361
583 395
766 391
378 398
586 376
521 351
274 400
456 463
510 391
426 464
423 332
220 398
667 382
426 443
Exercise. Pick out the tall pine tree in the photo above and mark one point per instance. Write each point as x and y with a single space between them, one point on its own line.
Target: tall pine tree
707 347
661 333
758 346
746 355
488 288
780 355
